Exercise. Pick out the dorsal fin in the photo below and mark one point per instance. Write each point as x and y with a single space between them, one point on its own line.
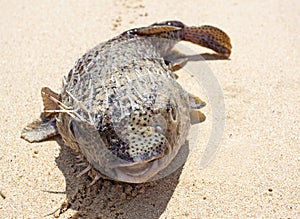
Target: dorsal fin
195 102
156 29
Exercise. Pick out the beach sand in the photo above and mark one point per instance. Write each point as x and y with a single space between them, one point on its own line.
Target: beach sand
256 171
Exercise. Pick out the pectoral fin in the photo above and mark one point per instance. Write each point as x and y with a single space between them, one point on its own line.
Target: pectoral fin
39 130
45 127
197 117
156 29
196 102
51 100
176 64
195 114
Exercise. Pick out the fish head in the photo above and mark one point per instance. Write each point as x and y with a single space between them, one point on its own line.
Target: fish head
137 147
150 143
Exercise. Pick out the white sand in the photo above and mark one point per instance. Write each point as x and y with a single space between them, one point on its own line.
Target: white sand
254 174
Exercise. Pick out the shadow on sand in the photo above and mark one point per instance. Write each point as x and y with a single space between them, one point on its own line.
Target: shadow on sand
110 199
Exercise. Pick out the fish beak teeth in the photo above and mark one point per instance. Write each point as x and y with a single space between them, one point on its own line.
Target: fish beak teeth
138 173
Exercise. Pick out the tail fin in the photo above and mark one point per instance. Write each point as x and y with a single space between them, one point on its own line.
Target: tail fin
210 37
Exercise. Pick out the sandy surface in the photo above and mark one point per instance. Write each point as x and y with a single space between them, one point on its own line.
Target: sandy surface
256 172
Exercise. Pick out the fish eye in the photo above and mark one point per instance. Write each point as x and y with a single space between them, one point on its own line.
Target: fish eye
158 128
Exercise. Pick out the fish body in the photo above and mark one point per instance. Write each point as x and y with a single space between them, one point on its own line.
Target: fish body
120 106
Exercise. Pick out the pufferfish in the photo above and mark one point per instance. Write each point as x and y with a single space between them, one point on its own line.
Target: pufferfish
121 108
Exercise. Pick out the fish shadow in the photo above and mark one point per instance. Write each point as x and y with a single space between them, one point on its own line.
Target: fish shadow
206 57
178 57
111 199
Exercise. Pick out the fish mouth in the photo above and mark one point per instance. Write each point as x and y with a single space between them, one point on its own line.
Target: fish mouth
138 172
143 170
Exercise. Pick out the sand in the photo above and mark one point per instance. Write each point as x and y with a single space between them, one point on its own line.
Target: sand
255 173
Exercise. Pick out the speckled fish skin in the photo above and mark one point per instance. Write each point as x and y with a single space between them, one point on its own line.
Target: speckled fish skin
137 112
129 115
